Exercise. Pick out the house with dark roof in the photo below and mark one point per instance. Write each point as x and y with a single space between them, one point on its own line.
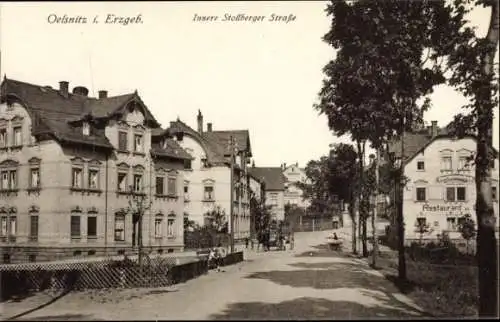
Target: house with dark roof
274 187
69 166
208 182
441 187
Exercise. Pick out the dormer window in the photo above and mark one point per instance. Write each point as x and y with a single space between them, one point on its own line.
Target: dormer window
86 128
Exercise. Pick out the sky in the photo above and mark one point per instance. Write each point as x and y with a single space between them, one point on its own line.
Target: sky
262 76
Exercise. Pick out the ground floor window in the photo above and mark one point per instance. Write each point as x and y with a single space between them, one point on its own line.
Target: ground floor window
170 227
33 228
75 227
92 227
158 227
119 227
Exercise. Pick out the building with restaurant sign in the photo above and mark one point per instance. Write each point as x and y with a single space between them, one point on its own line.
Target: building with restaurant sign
441 187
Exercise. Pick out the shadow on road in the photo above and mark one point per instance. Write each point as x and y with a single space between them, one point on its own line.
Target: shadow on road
330 275
305 308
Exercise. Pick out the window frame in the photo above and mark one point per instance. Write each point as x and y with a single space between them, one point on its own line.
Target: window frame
417 195
123 141
158 226
9 167
160 178
443 168
35 165
15 139
119 217
33 234
172 182
420 162
4 136
92 216
171 225
73 233
141 145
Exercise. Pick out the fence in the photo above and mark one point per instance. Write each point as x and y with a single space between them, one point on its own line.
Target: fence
313 223
21 279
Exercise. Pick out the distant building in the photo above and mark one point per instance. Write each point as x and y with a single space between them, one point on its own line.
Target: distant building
69 165
441 187
274 183
207 183
293 194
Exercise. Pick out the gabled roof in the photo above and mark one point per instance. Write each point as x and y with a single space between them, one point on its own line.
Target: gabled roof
216 143
272 176
51 111
416 142
55 114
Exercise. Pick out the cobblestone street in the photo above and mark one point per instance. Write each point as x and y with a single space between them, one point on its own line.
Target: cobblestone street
309 282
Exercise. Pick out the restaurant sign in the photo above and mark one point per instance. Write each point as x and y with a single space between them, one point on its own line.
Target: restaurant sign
444 208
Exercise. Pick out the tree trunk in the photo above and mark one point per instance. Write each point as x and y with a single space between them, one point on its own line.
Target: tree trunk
352 214
362 210
399 215
374 216
486 240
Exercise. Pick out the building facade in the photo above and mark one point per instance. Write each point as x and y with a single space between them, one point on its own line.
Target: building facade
74 169
293 193
441 187
208 182
274 188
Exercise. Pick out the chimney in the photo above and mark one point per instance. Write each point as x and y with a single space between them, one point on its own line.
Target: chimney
434 128
80 90
200 122
103 94
209 127
63 88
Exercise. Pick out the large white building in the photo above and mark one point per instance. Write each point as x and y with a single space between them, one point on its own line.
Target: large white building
441 187
207 184
293 193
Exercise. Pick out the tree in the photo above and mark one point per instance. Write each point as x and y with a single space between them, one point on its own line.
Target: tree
217 220
190 225
343 171
422 228
471 60
467 228
292 213
373 86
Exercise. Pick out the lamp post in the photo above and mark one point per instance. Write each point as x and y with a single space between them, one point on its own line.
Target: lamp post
137 207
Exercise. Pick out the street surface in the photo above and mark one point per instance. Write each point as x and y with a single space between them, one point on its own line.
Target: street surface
309 282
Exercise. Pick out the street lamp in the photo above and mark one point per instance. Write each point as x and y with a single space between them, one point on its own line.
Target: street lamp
137 207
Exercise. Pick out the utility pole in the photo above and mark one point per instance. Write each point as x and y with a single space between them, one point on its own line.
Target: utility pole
231 207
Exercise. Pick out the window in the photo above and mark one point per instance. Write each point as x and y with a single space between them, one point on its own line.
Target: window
93 179
35 177
187 164
186 191
3 138
4 229
119 227
446 163
77 178
137 182
460 193
5 180
92 227
86 128
158 227
421 165
209 193
33 228
463 163
172 183
159 185
451 224
273 199
75 227
450 193
421 194
138 144
455 194
421 221
461 221
122 141
18 140
12 179
170 227
122 181
494 195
